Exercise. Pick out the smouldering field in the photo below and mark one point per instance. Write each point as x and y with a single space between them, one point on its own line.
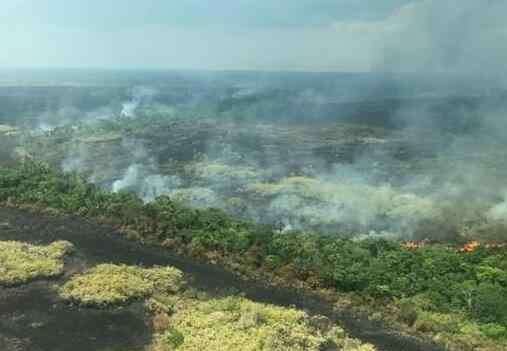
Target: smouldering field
369 204
341 179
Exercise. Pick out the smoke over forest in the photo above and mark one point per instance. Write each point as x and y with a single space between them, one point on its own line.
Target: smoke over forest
299 151
411 154
292 175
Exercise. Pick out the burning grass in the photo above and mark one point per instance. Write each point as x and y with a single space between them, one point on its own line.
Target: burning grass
22 262
109 284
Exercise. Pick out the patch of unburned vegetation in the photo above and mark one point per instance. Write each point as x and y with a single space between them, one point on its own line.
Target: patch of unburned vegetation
21 262
235 323
109 284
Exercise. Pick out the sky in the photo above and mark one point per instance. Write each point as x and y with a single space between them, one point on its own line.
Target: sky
294 35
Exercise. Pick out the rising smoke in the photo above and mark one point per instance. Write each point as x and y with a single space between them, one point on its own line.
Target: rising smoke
452 183
139 95
460 41
452 37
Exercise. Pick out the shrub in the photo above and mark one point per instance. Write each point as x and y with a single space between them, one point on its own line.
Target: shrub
408 312
174 338
436 322
490 304
494 331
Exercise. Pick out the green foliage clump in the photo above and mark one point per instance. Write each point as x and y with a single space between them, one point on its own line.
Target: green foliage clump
458 331
109 284
22 262
173 337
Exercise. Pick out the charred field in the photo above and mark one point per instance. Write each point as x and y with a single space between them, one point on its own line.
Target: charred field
35 318
386 211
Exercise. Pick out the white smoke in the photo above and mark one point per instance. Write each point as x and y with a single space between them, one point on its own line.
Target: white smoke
461 37
131 178
143 176
128 108
76 159
147 186
139 95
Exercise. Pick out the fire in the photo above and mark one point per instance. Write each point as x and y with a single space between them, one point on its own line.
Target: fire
471 246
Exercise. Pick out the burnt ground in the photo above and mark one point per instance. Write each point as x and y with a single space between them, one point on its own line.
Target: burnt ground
33 319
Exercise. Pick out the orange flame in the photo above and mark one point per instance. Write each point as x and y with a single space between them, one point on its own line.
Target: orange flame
471 246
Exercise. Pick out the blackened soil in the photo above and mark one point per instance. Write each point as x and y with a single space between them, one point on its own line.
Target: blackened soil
32 319
67 328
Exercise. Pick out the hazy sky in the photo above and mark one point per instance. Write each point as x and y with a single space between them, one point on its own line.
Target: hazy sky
315 35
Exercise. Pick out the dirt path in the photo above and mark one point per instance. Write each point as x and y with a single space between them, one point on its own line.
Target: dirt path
100 243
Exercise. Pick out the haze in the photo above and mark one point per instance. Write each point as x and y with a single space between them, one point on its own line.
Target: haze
305 35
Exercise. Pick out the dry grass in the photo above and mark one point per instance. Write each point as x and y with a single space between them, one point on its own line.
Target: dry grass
109 284
22 262
235 323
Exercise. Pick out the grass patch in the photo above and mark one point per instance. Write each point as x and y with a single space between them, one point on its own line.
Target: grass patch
22 262
109 284
235 323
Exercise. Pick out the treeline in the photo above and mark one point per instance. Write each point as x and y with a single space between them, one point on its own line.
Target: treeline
438 277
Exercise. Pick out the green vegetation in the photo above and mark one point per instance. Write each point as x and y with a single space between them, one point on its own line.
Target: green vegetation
454 329
22 262
235 323
108 284
439 281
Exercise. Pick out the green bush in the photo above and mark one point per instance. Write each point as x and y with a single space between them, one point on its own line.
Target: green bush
490 304
494 331
408 312
174 338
